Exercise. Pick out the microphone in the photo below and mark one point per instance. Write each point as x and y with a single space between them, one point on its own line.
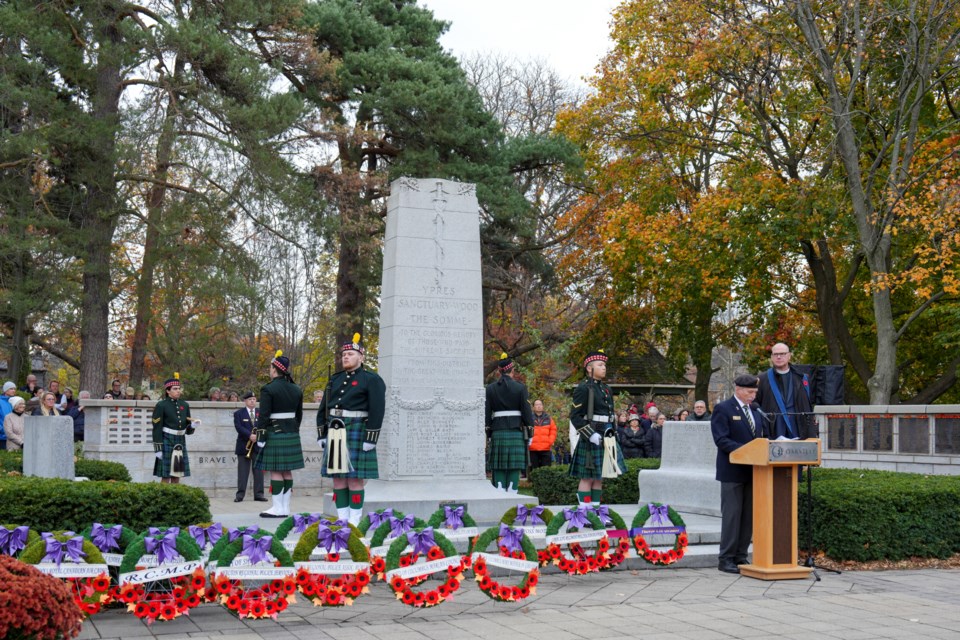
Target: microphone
763 414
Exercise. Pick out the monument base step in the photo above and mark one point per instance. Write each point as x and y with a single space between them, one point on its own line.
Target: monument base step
422 497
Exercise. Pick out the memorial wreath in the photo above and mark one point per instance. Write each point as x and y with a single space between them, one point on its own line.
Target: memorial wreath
516 552
580 561
441 556
275 578
90 592
660 514
327 583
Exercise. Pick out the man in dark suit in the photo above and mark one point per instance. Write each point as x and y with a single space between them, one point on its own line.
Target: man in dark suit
734 423
244 421
784 394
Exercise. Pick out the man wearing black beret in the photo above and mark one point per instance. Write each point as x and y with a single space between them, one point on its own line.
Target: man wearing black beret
734 423
245 421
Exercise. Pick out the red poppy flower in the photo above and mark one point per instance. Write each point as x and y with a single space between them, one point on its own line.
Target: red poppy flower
333 557
140 610
533 579
100 583
432 597
485 583
224 586
281 604
153 610
408 597
377 564
404 561
554 551
354 589
603 545
505 593
524 592
397 583
582 567
333 598
543 557
353 384
168 612
444 591
258 610
591 563
337 583
270 606
419 599
435 553
362 578
453 584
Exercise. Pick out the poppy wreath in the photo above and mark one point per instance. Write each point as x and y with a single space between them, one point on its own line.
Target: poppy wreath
288 524
121 541
329 590
481 573
403 587
439 520
378 564
580 562
90 594
510 515
224 540
205 532
263 601
184 592
13 543
620 543
653 556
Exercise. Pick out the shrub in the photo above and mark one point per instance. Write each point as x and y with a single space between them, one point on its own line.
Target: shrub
47 504
93 469
553 486
35 605
866 515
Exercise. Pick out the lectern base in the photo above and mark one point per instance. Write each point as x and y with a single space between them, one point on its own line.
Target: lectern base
775 572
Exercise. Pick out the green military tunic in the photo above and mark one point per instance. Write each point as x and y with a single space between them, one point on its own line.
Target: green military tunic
509 424
588 457
350 395
278 428
171 426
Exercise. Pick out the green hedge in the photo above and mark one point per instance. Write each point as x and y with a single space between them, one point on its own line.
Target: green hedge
92 469
48 504
866 515
553 486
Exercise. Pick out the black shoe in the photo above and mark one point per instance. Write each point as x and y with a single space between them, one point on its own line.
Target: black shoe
260 499
740 561
238 499
270 515
728 567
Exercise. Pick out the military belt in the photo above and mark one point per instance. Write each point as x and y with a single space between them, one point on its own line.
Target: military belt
282 416
344 413
599 418
505 414
174 432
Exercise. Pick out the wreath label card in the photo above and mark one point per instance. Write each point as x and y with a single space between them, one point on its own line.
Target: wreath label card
427 568
538 531
254 572
463 533
649 531
579 536
163 572
113 559
332 568
382 551
496 560
70 570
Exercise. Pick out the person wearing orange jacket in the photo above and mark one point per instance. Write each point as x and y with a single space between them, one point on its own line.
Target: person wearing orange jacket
544 435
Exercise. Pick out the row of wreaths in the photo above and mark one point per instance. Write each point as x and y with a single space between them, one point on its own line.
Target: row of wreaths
160 574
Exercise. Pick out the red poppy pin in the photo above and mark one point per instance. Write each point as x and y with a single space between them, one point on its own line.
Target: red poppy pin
354 383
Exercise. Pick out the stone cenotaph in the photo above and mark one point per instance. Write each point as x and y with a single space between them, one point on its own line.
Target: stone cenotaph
432 447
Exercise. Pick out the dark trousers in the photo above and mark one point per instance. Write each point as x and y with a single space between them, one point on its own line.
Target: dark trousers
244 467
736 521
539 459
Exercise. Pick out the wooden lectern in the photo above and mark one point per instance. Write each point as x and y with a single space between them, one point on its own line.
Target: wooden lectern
775 473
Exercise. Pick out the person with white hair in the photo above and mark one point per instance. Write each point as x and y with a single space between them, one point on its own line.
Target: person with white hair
13 424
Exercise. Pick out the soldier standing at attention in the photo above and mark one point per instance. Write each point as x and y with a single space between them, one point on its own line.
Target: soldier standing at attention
509 425
278 434
348 428
593 417
171 426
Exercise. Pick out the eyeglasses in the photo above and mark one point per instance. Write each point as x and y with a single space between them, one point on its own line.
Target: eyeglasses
780 355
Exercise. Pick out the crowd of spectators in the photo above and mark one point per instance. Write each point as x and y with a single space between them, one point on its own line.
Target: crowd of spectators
641 435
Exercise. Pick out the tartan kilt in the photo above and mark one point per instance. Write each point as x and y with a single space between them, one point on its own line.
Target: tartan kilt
508 451
582 455
364 463
162 468
282 452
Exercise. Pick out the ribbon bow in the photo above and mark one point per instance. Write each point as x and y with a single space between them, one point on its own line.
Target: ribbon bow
453 518
532 513
421 541
13 540
603 512
204 535
57 551
165 547
106 539
399 526
511 538
660 516
256 548
333 541
233 534
301 522
576 518
378 518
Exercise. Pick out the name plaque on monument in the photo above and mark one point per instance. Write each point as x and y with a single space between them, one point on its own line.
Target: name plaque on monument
434 428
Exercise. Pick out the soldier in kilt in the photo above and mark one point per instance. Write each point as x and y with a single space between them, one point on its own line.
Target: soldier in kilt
278 434
171 426
509 426
594 419
348 428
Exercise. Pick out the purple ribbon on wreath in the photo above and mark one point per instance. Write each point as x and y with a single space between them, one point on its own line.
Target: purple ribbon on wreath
301 522
333 541
453 517
577 518
256 548
532 513
13 540
603 512
399 526
377 518
165 546
204 535
106 539
510 538
233 534
660 516
421 541
57 551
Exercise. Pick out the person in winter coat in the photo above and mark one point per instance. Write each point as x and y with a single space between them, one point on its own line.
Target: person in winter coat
654 441
633 438
544 435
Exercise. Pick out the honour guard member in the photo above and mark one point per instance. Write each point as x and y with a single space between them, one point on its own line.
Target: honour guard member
278 434
171 426
597 455
348 428
508 418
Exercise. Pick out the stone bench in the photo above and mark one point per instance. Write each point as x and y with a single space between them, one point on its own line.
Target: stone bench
686 477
